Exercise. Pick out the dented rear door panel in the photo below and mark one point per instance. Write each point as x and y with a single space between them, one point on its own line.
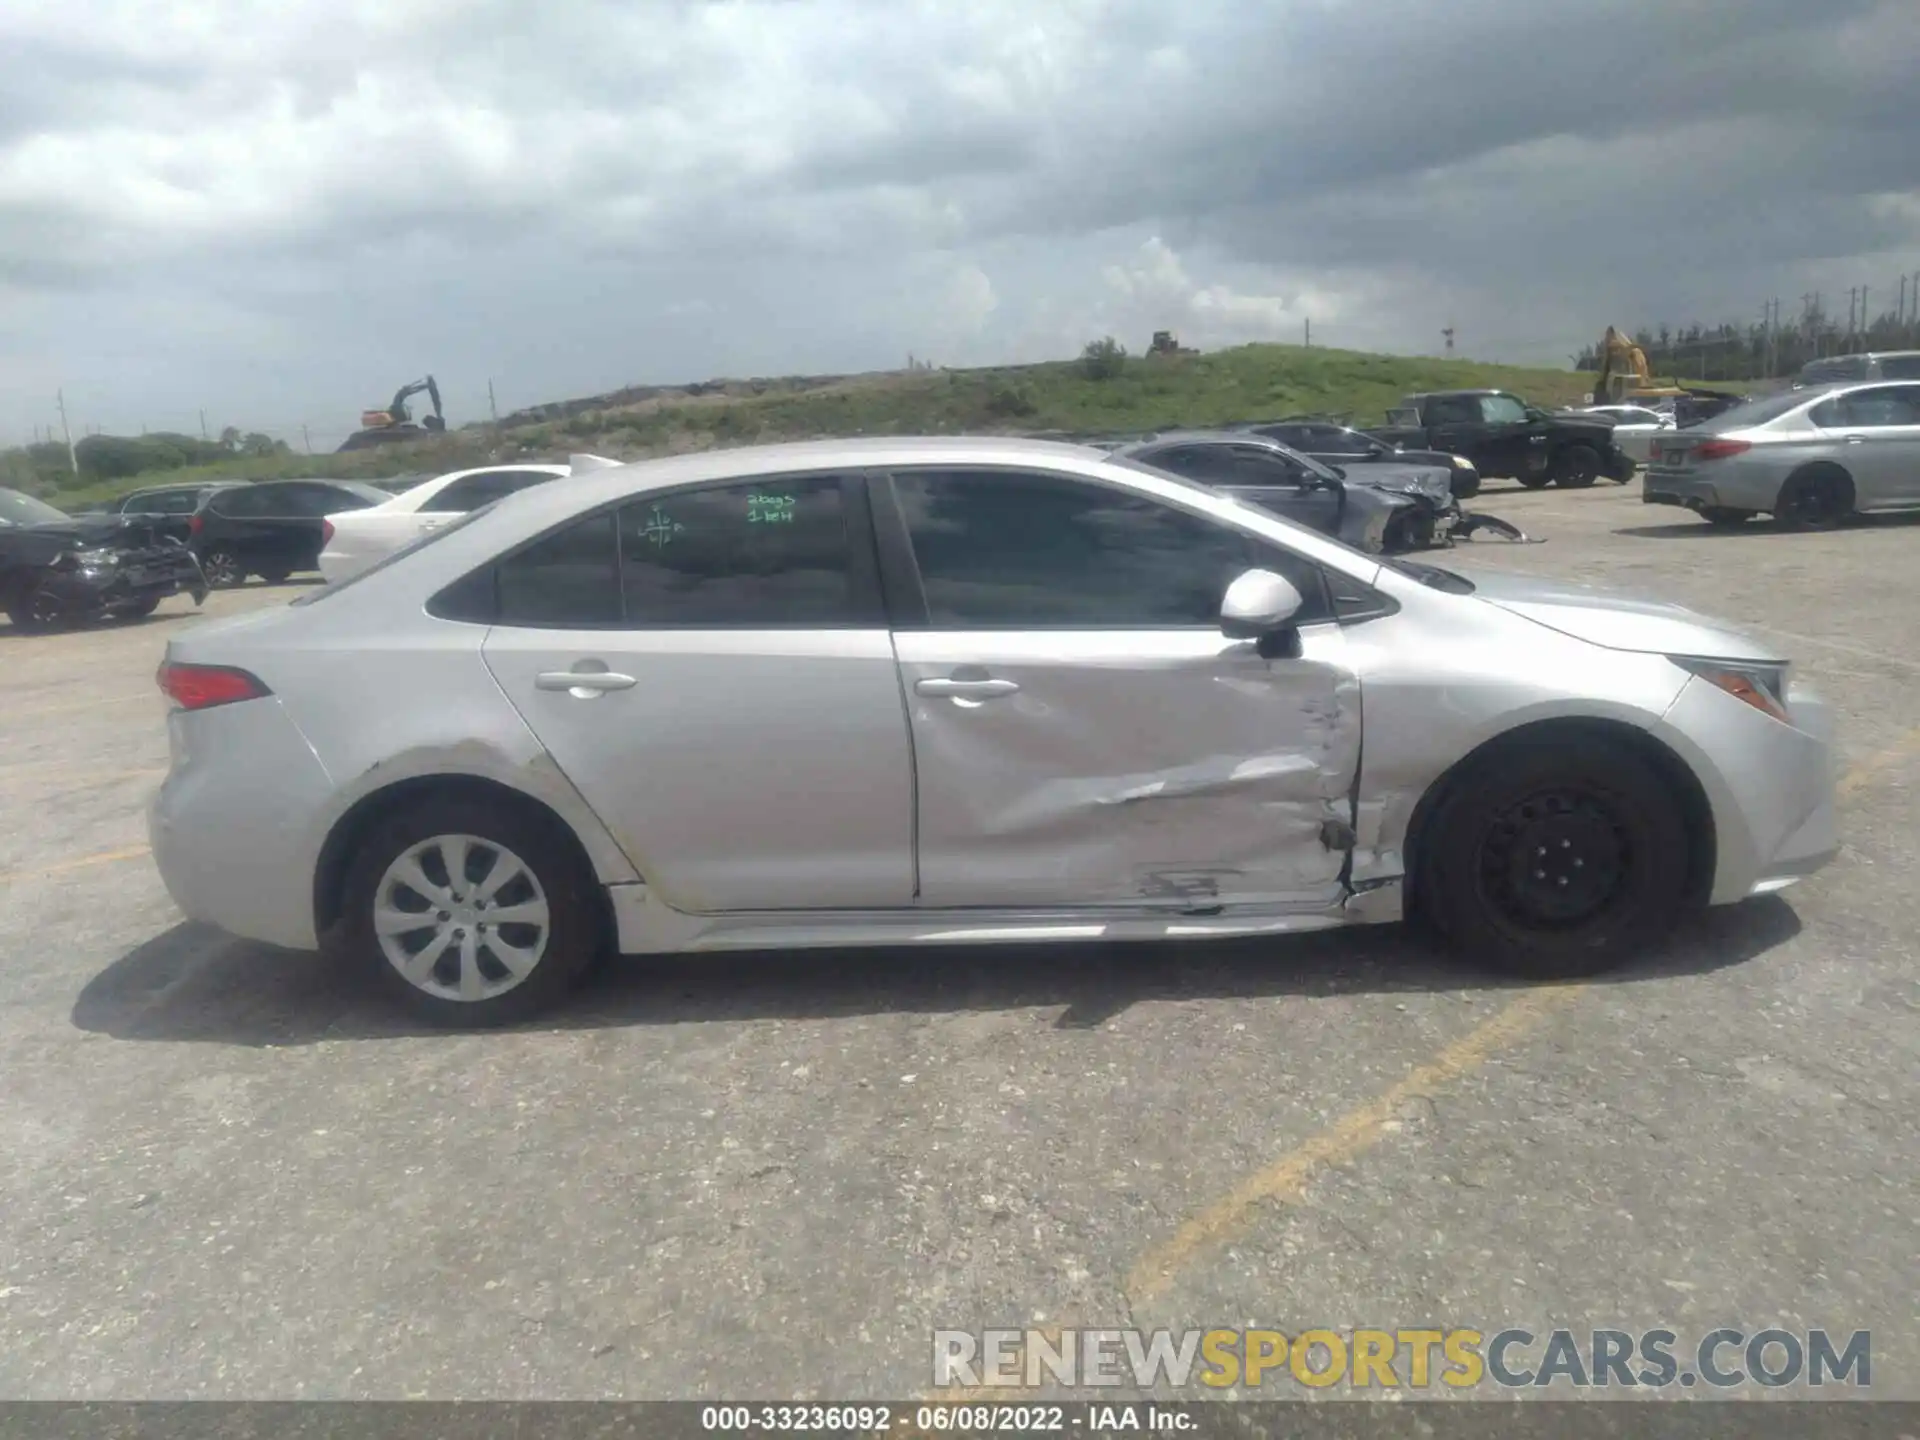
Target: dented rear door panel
1160 769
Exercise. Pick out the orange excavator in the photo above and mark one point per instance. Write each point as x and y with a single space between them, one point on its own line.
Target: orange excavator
384 427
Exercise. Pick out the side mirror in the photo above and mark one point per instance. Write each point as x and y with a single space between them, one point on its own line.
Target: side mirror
1257 604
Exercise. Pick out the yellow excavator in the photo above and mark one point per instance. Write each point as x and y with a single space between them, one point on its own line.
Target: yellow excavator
1624 378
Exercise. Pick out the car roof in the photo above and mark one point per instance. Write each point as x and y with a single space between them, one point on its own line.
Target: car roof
1160 438
1452 394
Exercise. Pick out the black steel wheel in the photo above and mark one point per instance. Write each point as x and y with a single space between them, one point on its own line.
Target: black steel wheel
1723 517
1555 855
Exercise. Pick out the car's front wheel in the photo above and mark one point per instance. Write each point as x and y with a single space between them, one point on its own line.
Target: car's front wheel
472 913
1555 857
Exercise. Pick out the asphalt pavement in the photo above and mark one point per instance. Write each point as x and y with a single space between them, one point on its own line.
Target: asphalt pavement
226 1172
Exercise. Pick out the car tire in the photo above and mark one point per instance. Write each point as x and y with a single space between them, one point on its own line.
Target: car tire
1465 486
138 610
35 610
1576 467
1723 517
222 569
1818 498
276 576
1536 479
549 880
1610 844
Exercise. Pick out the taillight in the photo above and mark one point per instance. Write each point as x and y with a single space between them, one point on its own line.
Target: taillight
200 687
1720 449
326 532
194 525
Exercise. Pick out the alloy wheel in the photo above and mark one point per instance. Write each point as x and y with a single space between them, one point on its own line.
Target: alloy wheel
461 917
221 569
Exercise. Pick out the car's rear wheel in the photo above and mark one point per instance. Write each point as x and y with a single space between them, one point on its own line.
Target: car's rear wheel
138 609
1576 467
1536 479
472 913
222 569
1723 517
1555 858
1814 500
276 576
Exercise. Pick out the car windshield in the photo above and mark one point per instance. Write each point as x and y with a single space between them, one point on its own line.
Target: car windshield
19 509
1432 576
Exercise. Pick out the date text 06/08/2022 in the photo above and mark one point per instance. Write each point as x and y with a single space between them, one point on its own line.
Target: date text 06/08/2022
964 1418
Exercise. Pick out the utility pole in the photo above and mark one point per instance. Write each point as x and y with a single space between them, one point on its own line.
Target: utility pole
1308 341
1448 332
73 458
494 409
203 425
1866 325
306 439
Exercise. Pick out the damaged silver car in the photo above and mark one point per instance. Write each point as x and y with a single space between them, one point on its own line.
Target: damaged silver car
945 691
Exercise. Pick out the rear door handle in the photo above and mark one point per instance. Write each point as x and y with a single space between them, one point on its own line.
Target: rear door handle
1856 439
583 683
965 689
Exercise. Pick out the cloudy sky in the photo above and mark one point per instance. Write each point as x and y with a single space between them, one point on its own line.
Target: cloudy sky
277 212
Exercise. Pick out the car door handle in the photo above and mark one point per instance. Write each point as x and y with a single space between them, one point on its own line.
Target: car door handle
590 681
1856 439
983 689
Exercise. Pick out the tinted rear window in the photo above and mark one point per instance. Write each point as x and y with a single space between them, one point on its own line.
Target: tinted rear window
1900 367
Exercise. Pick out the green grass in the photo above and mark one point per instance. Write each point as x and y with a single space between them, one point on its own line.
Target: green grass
1250 382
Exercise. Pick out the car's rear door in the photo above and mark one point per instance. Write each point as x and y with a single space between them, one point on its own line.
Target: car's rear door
1084 735
712 669
1879 429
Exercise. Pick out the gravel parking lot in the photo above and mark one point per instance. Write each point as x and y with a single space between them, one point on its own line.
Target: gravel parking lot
226 1172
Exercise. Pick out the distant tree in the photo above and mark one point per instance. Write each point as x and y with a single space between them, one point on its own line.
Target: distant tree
254 443
1103 359
230 438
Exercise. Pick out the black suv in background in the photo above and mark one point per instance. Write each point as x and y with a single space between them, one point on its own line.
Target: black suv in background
271 528
169 508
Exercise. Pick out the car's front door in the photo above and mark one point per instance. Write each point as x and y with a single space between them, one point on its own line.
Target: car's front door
1084 735
712 669
1514 441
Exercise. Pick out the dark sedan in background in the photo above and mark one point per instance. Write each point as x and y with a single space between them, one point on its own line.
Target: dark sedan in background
1379 509
58 569
1341 446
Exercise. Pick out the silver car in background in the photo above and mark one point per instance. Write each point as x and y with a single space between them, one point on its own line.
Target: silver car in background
1634 427
1810 458
945 691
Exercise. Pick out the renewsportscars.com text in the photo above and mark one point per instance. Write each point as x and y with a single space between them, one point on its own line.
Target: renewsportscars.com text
1403 1358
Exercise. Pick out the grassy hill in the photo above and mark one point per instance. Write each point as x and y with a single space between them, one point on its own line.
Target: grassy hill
1250 382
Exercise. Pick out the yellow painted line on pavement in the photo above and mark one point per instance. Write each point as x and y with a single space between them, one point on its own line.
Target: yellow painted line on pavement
1359 1130
83 862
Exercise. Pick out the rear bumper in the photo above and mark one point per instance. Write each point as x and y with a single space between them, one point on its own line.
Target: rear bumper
228 856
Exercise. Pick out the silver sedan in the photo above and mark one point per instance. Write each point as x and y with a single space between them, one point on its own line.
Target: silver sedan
1810 458
928 692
